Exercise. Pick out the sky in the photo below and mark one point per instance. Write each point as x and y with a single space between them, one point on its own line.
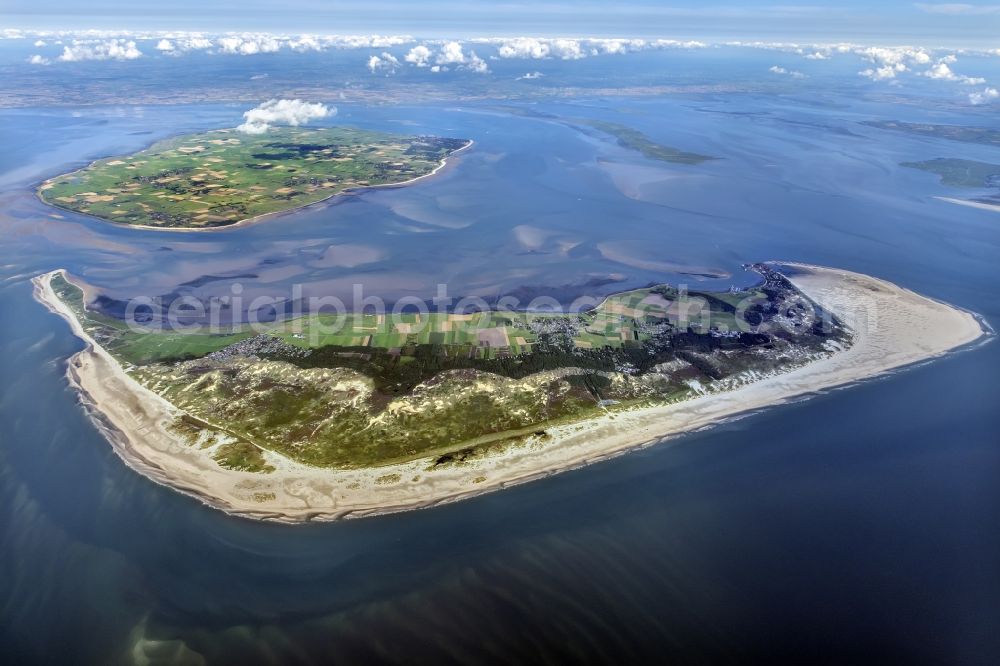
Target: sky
973 24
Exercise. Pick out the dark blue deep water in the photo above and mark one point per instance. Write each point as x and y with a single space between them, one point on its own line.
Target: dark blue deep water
857 526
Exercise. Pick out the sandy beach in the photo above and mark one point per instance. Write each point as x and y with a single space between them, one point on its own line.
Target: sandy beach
893 327
981 205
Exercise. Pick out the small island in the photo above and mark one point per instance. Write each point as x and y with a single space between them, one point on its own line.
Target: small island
633 139
294 424
956 172
224 177
983 135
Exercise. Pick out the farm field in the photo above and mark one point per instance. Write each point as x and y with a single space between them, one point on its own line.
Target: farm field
222 177
364 389
628 319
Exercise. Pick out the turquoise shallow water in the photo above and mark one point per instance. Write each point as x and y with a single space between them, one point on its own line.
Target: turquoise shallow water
853 526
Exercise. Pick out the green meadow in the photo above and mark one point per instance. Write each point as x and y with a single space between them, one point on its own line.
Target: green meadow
220 178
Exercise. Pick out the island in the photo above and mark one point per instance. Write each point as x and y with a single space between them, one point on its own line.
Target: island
291 425
986 136
956 172
633 139
625 136
224 177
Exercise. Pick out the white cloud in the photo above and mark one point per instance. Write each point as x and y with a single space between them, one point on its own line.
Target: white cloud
894 55
476 64
305 43
786 72
186 42
364 41
675 44
524 47
957 8
387 63
918 57
385 41
293 112
236 43
984 96
883 63
452 54
419 55
810 51
38 60
531 48
616 46
529 76
891 60
40 43
565 48
882 73
248 44
111 49
942 72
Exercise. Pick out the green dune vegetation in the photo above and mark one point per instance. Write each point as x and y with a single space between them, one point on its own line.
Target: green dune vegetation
960 173
220 178
387 388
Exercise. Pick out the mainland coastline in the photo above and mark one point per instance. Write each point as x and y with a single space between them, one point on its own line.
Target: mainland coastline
892 327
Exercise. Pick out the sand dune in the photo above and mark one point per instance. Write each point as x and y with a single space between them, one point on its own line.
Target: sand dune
892 326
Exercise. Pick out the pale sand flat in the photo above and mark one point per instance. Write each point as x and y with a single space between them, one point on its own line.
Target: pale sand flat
972 204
